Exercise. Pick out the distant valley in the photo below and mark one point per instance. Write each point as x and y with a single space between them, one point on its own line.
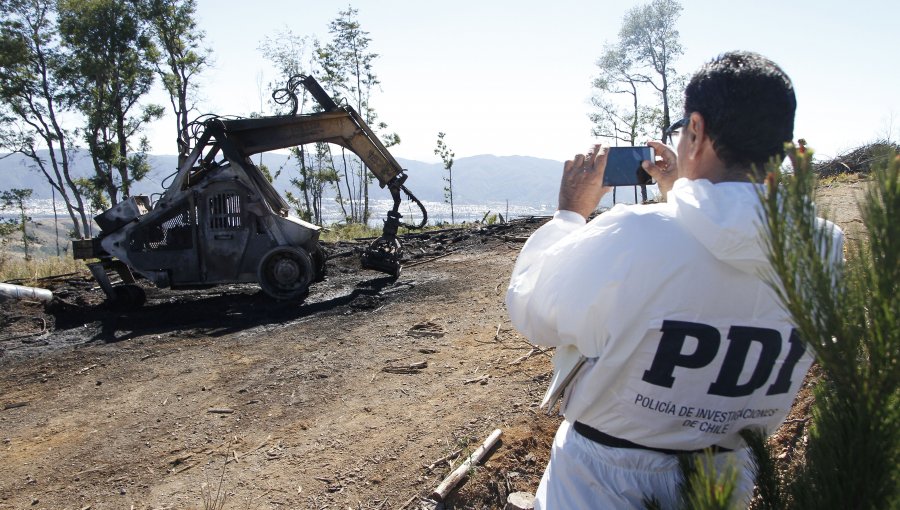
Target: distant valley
521 185
476 179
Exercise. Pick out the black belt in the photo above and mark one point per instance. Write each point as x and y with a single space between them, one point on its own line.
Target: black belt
615 442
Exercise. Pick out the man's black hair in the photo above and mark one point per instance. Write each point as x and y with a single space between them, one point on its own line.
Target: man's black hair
748 104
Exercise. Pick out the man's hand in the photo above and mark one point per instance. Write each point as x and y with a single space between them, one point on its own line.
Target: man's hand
582 182
664 172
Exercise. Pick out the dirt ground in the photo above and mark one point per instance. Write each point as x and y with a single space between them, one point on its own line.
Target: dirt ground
224 398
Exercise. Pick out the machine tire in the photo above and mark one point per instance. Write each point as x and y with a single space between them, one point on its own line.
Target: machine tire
285 273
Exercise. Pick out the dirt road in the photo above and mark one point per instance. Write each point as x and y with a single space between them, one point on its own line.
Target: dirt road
201 396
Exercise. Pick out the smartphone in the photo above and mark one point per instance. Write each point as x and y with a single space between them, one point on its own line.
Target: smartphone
623 166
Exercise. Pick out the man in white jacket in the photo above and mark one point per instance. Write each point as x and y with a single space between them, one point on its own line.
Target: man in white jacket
686 343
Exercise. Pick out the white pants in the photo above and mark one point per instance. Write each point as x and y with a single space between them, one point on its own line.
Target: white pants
583 474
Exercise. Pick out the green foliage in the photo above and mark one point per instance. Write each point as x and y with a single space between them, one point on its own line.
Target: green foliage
92 189
850 316
32 92
347 61
15 199
348 70
267 174
768 481
641 59
110 69
446 155
618 83
180 58
349 231
707 488
704 487
8 226
317 174
291 55
344 66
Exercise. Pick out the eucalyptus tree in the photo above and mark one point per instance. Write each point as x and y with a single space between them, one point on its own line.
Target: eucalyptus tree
293 56
180 60
317 175
16 199
32 93
641 58
349 74
619 113
110 67
650 37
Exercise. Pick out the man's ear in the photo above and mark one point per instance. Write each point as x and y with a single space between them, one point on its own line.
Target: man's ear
696 133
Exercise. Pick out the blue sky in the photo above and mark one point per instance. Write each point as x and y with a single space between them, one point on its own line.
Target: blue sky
513 77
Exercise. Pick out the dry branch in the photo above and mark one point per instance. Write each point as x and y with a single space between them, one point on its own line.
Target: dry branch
460 472
527 355
419 263
85 369
539 349
481 379
446 458
185 468
412 368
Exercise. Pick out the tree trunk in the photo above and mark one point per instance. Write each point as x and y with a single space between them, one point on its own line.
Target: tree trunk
306 178
65 180
667 120
122 140
347 182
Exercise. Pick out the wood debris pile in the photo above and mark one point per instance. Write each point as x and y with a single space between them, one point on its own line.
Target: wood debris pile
859 160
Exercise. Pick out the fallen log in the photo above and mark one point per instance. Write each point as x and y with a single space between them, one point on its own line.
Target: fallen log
460 472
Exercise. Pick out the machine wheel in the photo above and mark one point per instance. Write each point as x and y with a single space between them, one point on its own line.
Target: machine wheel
129 296
285 273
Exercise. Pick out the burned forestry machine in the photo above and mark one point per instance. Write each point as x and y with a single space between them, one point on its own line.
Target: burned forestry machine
221 221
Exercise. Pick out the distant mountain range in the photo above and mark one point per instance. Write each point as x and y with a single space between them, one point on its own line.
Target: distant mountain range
482 179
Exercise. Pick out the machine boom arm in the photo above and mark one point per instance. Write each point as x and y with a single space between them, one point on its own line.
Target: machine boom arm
342 126
238 139
241 138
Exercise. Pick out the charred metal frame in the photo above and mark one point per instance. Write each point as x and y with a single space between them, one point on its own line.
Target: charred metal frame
221 221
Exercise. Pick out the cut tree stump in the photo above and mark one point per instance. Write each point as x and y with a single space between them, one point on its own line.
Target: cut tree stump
520 501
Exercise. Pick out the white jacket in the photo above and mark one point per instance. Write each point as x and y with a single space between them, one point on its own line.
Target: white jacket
686 342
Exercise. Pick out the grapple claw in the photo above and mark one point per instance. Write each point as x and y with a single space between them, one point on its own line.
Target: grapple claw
386 252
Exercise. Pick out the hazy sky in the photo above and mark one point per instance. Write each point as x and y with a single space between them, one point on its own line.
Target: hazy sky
513 77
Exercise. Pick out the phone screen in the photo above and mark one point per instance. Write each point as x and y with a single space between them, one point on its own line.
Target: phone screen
623 166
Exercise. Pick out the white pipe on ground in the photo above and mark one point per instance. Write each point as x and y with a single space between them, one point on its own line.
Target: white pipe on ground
8 290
